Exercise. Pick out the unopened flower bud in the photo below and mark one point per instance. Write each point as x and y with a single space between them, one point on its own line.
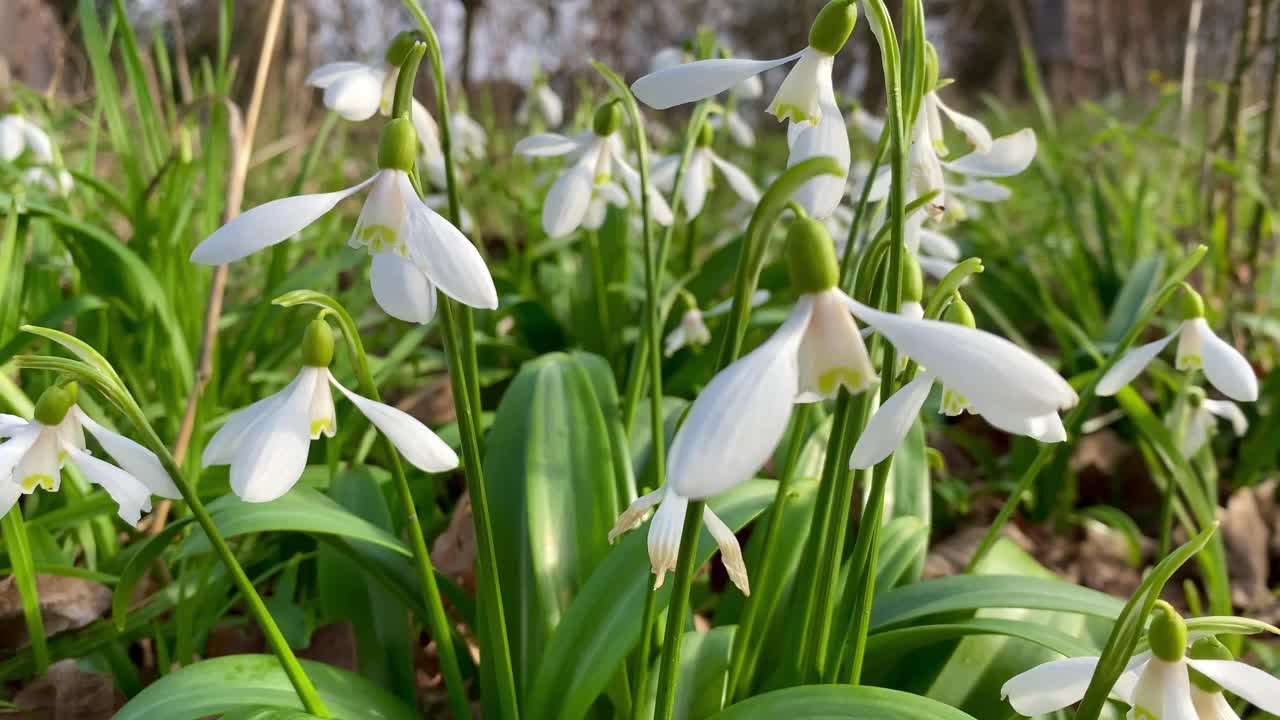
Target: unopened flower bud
833 26
811 256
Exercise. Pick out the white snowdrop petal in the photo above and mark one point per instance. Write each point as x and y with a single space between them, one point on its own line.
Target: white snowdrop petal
697 80
659 210
40 465
1130 365
891 423
268 224
546 145
806 93
1226 369
1196 433
9 494
37 143
635 512
415 441
448 258
13 449
664 536
986 369
740 416
663 172
355 96
128 492
739 130
273 452
135 459
829 138
981 190
1051 686
674 341
1259 688
939 245
1045 428
222 447
1212 706
738 180
1007 156
325 75
750 88
832 353
697 182
566 203
973 130
730 550
11 143
401 289
9 424
1230 412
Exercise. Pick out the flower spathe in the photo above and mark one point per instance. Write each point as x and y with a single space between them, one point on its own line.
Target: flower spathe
34 454
580 194
415 250
1198 349
266 443
668 526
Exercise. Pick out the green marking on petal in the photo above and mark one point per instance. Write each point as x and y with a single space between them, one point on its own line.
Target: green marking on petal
601 179
1141 713
320 426
1190 362
830 380
30 482
378 237
787 111
953 403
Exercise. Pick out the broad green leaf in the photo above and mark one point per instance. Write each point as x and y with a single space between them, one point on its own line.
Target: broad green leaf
700 684
832 702
550 468
909 493
602 624
250 682
1141 285
302 509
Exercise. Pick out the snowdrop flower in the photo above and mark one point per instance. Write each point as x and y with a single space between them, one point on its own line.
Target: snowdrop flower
806 98
415 250
1203 418
692 331
19 136
578 197
543 102
356 90
266 444
469 136
1167 683
36 451
1198 348
699 175
891 422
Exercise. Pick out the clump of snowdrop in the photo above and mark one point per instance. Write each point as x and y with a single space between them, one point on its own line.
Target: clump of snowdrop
1170 682
580 195
699 175
1198 349
36 450
266 444
806 98
22 139
415 250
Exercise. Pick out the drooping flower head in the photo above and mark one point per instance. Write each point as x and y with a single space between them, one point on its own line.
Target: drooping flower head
806 98
415 250
266 444
579 196
36 451
541 102
1203 419
1198 349
21 138
1166 683
699 175
692 331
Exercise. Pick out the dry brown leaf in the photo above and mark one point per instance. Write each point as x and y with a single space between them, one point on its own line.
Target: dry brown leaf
66 603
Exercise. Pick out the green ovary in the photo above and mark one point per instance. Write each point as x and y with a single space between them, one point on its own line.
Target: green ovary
30 482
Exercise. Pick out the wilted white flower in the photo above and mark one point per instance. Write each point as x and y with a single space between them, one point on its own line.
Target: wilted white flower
415 250
1198 348
36 450
266 444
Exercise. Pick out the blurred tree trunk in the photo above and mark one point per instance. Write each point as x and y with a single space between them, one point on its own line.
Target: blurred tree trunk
470 8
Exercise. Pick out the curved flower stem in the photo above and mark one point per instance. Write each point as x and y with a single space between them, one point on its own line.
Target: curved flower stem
458 332
1180 419
601 289
1077 415
436 619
